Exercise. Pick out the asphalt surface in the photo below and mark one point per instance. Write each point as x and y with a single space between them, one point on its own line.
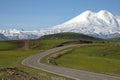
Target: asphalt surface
34 62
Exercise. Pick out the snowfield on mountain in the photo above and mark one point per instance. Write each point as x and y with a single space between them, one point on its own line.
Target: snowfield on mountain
102 24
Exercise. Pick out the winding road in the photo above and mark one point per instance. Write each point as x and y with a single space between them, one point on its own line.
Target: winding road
34 62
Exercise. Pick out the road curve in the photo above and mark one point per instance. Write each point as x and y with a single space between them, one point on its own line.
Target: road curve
34 62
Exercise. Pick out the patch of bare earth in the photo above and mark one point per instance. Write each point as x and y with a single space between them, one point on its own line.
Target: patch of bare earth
15 74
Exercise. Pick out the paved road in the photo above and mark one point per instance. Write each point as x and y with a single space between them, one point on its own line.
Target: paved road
34 61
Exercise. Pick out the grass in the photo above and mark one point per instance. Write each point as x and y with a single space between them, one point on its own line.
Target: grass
7 46
114 39
13 59
39 44
69 35
46 44
11 56
12 45
96 58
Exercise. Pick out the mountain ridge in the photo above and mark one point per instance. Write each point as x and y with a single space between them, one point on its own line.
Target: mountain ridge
91 23
101 24
2 37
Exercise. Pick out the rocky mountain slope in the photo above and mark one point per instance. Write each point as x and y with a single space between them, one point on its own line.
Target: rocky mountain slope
2 37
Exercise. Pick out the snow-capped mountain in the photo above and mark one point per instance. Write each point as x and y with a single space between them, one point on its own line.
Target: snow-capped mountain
14 34
2 37
102 24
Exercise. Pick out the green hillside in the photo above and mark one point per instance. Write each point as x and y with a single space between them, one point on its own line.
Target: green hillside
68 35
47 41
114 39
95 58
39 44
43 44
13 52
12 45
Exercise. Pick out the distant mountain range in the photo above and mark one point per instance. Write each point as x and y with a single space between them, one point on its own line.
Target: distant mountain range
102 24
2 37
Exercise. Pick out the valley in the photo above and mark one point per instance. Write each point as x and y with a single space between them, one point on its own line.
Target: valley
13 52
59 40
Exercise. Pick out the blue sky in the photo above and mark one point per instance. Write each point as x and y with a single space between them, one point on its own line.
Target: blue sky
38 14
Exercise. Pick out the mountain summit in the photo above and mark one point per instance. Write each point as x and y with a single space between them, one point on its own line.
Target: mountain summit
102 24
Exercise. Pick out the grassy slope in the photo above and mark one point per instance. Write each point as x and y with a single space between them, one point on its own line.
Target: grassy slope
32 44
69 35
13 59
12 45
10 58
46 44
98 58
114 40
12 53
